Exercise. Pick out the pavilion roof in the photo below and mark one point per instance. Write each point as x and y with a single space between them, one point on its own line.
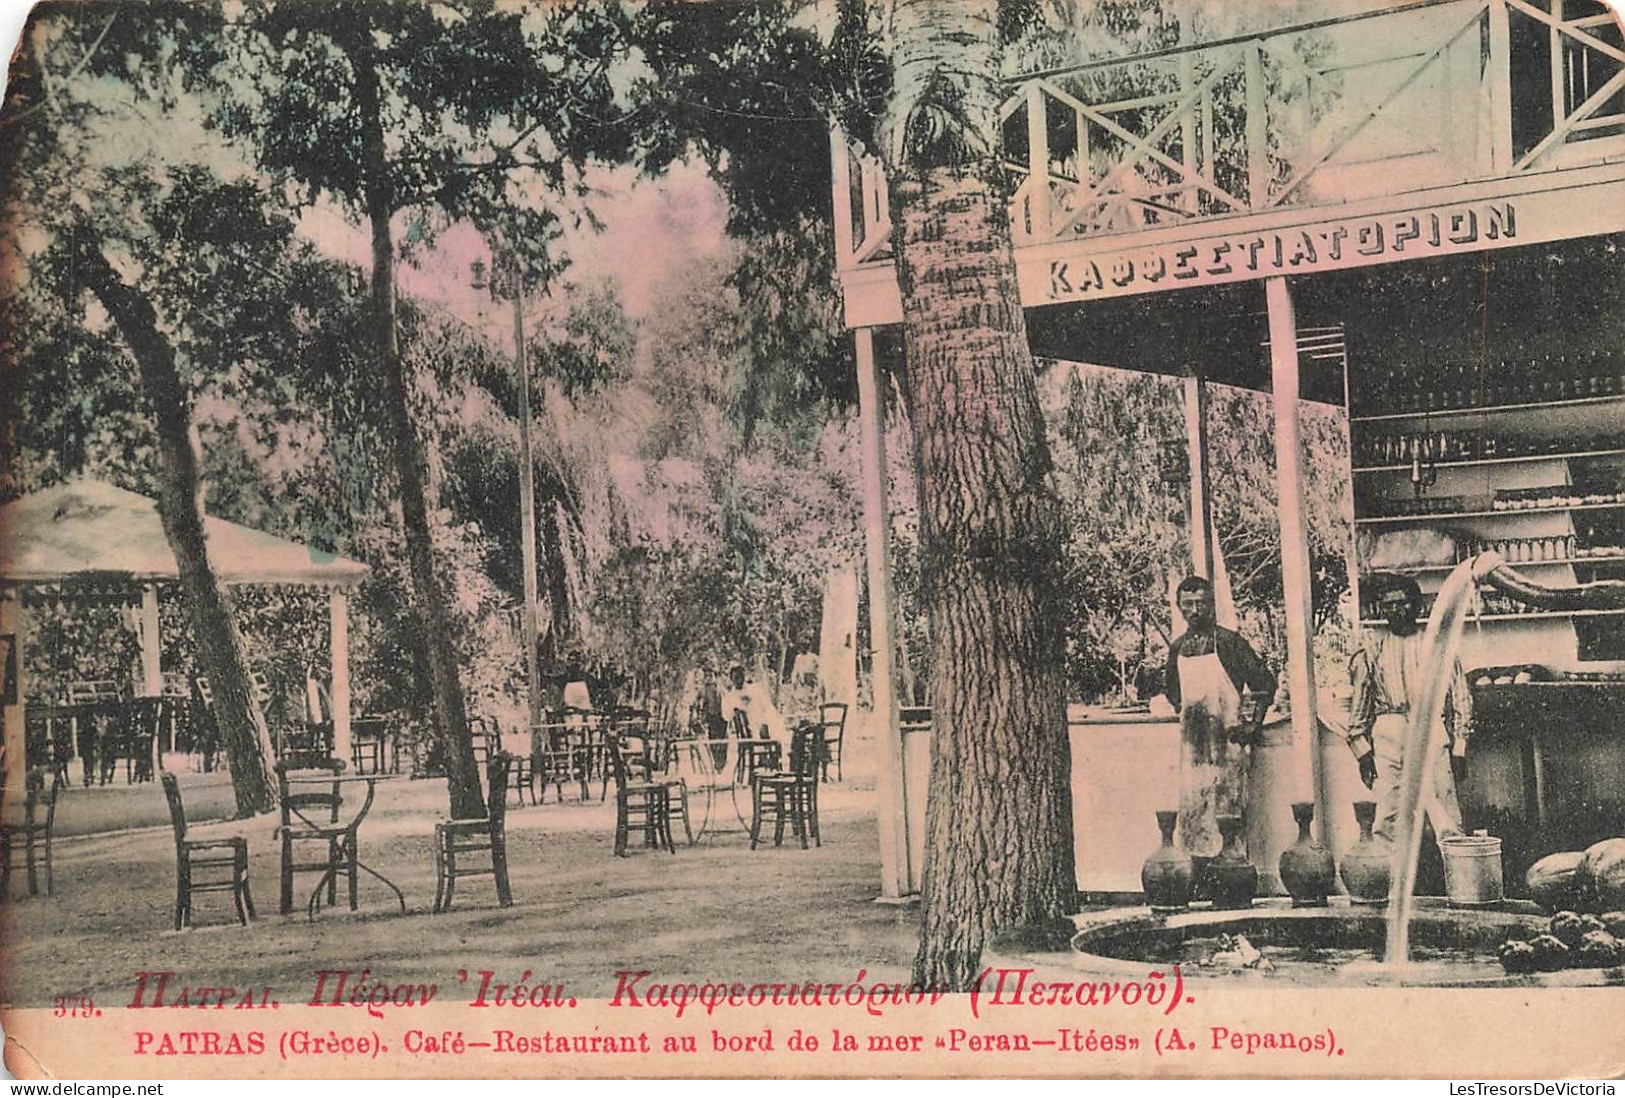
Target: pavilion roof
88 528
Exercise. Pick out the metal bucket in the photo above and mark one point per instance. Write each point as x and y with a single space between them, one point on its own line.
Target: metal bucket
1472 869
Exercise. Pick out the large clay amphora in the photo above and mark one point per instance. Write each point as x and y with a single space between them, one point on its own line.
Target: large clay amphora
1368 866
1166 874
1307 868
1232 880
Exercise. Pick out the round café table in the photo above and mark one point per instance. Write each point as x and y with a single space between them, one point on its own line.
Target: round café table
350 829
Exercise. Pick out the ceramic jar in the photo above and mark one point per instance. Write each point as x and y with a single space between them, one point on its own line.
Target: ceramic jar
1232 880
1368 866
1307 868
1166 874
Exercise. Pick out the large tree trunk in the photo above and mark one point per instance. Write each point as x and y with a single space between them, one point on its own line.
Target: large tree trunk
430 609
999 824
180 507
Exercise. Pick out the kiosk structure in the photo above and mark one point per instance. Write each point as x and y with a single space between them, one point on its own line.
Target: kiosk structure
1439 183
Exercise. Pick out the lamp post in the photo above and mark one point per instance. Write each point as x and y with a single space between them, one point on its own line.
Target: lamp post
509 264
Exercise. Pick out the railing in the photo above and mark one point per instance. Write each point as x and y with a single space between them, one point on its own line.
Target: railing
1415 96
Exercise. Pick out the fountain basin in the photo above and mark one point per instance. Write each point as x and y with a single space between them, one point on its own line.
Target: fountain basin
1340 945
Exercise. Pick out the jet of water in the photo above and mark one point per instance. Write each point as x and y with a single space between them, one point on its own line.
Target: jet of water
1439 645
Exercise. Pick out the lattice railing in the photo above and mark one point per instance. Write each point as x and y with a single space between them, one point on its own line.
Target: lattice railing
1420 95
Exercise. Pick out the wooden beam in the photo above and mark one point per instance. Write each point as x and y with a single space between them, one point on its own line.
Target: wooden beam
840 165
1256 129
1597 98
1570 27
1038 200
1353 131
896 874
1555 57
1498 87
338 634
1295 571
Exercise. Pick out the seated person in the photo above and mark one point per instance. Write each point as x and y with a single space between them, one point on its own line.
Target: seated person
753 700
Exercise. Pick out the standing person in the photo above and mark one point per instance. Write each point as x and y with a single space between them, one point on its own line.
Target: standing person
1208 666
1387 678
708 716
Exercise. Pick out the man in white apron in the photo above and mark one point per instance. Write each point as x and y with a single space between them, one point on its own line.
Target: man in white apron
1208 667
1387 680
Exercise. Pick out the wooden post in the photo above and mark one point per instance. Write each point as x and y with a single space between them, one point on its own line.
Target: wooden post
1038 161
1257 130
527 524
14 625
840 163
152 667
1498 81
1559 87
1187 119
895 871
1295 571
338 626
1201 516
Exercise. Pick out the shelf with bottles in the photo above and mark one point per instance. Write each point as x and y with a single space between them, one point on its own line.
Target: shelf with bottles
1392 451
1414 389
1446 510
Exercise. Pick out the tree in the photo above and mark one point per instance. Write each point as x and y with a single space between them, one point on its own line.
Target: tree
190 297
478 113
999 843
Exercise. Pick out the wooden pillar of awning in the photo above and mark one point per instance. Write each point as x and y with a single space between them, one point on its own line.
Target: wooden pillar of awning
14 629
338 625
901 851
1296 574
152 651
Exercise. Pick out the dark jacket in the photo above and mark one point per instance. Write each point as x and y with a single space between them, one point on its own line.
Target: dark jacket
1237 658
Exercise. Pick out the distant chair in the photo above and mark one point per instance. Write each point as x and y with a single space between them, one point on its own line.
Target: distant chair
642 757
564 758
457 840
637 798
487 740
33 834
177 716
197 861
790 797
369 740
832 731
310 818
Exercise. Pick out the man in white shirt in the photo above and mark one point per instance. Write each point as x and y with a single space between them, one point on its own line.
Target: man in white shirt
752 699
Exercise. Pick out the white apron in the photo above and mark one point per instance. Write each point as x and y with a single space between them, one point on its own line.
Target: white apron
1212 770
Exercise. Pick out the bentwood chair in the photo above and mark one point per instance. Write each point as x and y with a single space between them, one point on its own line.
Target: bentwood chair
790 797
200 863
33 834
639 800
484 838
832 731
756 756
313 840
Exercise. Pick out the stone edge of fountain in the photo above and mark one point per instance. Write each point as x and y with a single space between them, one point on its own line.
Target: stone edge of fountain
1066 956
